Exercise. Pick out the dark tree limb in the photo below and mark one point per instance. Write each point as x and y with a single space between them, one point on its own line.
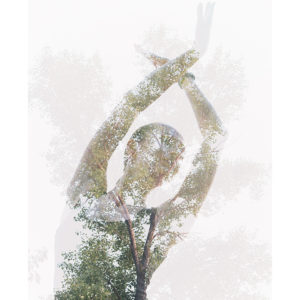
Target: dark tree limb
133 246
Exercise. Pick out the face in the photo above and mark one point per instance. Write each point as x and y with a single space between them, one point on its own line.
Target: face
152 155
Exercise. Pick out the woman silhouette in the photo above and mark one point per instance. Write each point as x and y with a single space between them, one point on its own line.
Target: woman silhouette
152 154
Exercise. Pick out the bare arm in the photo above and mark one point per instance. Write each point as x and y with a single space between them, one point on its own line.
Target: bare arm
197 183
90 176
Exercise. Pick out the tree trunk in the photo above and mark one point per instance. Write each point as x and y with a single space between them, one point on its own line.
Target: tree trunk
141 287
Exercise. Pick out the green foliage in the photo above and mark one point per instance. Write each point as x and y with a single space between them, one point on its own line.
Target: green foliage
102 266
117 258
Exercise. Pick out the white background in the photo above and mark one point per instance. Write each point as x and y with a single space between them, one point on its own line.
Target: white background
112 29
14 157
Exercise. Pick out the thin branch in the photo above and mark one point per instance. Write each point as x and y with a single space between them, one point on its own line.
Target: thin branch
146 253
133 246
179 235
113 288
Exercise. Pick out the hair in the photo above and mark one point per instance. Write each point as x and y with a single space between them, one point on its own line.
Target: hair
157 147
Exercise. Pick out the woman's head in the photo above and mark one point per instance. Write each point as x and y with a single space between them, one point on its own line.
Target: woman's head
151 156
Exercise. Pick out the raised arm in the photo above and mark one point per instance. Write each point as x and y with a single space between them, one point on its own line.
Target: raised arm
90 176
198 181
200 177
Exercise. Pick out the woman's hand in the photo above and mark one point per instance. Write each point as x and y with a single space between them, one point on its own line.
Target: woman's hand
204 21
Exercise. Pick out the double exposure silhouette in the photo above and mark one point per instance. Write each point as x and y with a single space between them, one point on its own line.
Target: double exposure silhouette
133 236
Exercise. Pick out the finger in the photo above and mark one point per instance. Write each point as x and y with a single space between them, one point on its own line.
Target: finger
209 11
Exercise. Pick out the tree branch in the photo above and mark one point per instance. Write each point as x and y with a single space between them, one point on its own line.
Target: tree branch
146 253
113 288
133 246
179 235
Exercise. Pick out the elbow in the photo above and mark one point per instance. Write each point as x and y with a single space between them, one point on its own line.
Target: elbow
221 139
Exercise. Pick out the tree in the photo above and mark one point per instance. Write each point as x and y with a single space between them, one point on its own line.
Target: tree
210 78
103 266
109 242
151 156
